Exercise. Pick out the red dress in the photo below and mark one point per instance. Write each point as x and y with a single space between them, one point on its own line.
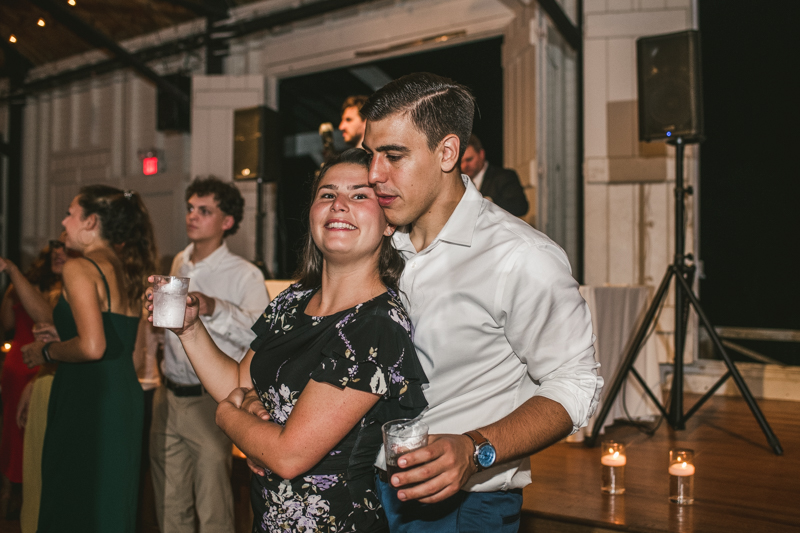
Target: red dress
16 375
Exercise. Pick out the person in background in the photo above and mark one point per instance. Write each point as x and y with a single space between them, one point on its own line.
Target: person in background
496 184
41 281
92 444
352 124
501 330
190 457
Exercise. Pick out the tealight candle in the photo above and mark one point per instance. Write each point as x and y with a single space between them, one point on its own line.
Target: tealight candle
681 476
613 459
681 469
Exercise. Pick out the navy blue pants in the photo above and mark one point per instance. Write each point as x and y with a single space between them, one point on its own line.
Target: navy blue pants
464 512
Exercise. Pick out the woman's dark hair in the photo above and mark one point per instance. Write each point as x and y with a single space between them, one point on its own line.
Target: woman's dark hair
125 224
228 198
41 271
390 262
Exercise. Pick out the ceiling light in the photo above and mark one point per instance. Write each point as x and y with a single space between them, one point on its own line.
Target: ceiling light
40 23
71 2
12 39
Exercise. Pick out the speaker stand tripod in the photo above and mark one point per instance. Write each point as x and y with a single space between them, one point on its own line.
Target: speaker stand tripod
683 272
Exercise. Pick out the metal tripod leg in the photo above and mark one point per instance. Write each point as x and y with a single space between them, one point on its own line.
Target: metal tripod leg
630 358
737 377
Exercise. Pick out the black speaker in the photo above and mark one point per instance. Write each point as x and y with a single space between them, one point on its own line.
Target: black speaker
256 144
670 87
171 113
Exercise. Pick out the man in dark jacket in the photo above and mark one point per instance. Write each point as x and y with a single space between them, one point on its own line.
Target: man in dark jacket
500 185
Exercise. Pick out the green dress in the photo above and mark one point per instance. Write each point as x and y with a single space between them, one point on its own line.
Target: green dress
92 444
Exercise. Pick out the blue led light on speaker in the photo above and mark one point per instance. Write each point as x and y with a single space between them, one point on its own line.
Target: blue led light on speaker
669 134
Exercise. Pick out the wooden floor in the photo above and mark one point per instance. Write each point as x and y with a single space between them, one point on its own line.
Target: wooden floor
740 484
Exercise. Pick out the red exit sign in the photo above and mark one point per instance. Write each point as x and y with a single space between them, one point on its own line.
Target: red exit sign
150 166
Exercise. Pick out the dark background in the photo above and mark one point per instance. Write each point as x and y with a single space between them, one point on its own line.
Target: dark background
749 186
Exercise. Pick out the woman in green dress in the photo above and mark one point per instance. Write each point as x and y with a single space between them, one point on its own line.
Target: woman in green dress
90 461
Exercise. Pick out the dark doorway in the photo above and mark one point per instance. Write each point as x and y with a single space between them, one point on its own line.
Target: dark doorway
307 101
749 219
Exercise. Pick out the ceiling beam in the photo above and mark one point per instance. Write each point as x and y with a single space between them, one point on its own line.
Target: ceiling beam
193 42
206 9
90 34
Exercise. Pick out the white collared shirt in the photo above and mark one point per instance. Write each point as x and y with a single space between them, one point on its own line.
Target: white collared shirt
497 320
240 297
478 179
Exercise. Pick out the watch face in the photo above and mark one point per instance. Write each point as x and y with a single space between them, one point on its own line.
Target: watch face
486 455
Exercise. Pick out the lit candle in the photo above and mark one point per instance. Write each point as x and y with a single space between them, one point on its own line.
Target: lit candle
681 478
681 469
613 459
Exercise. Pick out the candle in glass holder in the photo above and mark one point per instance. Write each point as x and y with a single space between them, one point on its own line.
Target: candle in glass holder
681 476
613 460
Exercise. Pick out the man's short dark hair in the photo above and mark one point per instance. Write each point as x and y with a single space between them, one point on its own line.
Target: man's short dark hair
475 143
437 106
356 101
227 196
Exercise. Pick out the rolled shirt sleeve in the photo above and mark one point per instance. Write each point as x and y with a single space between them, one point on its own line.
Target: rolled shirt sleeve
548 325
233 321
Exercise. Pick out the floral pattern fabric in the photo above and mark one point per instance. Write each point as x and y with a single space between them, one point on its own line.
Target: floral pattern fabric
367 348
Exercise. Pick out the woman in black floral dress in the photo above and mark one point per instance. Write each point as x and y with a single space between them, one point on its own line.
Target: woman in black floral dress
333 360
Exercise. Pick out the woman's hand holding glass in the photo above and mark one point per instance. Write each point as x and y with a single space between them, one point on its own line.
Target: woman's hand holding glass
190 318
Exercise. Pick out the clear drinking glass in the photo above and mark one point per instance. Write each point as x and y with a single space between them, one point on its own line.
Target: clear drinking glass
681 476
613 459
400 437
169 301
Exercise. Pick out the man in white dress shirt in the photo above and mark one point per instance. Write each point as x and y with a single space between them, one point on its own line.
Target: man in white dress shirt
190 456
499 325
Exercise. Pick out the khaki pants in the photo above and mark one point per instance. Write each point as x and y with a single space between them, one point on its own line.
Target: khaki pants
190 461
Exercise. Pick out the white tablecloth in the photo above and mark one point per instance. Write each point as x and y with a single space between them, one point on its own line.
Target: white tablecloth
616 313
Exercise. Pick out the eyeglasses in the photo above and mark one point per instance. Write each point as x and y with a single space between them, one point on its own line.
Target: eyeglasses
55 245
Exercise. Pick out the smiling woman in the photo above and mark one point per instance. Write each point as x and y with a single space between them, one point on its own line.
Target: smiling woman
341 198
332 362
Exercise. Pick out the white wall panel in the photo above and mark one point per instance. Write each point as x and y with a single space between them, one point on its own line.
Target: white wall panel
636 24
595 201
621 69
622 204
215 100
620 5
334 42
595 96
595 6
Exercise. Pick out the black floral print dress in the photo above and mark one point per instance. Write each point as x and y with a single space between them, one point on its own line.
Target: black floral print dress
368 348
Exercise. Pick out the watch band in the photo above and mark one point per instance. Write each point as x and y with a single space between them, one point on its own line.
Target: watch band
476 437
479 441
46 352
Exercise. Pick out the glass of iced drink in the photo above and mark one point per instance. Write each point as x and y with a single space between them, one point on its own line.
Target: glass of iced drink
400 437
169 301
